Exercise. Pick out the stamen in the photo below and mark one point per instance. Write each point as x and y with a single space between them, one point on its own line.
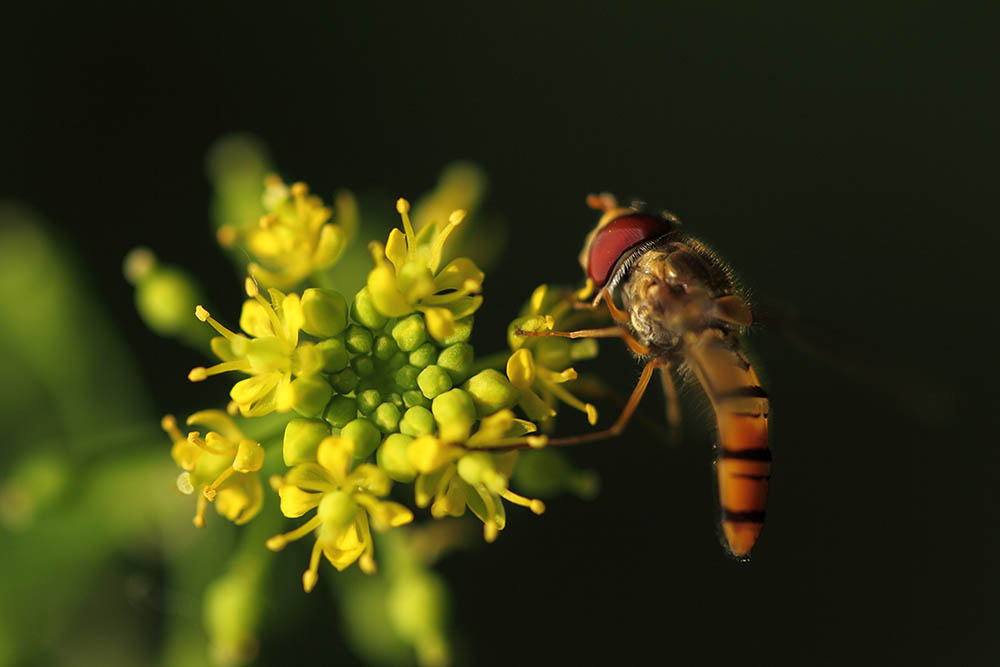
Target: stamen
571 400
199 516
201 373
403 208
367 561
490 527
169 424
205 316
209 491
454 220
535 505
278 542
194 437
311 576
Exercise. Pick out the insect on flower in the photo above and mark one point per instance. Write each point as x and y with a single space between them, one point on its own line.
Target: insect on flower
682 312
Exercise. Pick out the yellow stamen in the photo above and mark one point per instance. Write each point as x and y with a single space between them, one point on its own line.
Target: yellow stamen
311 576
586 291
205 316
535 505
194 437
571 400
210 491
278 542
197 374
403 208
199 517
169 424
367 561
490 527
454 220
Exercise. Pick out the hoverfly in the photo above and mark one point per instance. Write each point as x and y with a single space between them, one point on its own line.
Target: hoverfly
682 312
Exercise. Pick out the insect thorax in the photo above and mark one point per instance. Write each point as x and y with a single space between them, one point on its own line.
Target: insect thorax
670 290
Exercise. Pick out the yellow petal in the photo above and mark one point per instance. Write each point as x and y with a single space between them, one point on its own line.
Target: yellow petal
254 388
255 320
395 248
334 454
440 323
386 515
460 274
249 456
370 478
309 477
427 454
385 293
521 368
295 502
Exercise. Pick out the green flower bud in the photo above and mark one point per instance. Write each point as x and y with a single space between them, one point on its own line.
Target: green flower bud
363 366
337 509
368 400
433 381
386 417
334 354
391 457
359 340
385 347
310 394
363 311
424 355
396 400
365 436
406 377
463 329
417 421
455 413
345 381
324 312
491 391
396 361
410 332
414 397
342 410
457 360
302 437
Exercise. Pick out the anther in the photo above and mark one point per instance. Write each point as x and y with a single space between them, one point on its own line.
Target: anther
198 374
402 206
201 313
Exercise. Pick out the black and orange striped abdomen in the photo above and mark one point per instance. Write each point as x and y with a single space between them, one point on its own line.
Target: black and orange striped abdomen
743 463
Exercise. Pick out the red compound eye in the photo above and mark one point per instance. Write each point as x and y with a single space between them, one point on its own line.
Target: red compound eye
617 237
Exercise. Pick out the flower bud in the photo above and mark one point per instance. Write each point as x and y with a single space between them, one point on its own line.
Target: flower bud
424 355
391 457
491 391
307 359
433 381
359 340
342 410
309 395
455 413
324 312
463 329
478 468
406 377
364 435
410 332
345 381
396 361
385 348
363 366
334 354
368 400
413 397
457 360
165 298
417 421
386 417
302 437
364 312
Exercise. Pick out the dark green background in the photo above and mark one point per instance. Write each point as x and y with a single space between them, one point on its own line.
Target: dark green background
843 158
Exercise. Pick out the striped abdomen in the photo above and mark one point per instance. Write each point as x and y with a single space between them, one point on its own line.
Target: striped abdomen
743 463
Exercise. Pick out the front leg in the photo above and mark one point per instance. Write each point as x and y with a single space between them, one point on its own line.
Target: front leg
604 332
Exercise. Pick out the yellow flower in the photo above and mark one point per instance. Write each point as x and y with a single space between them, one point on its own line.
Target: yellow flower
220 467
295 237
344 500
406 276
455 476
271 356
540 365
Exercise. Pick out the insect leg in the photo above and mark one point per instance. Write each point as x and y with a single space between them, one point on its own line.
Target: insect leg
617 314
623 418
604 332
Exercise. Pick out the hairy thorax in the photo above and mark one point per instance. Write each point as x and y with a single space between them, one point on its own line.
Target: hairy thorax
670 291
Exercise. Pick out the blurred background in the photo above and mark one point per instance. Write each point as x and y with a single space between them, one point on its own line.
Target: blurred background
842 158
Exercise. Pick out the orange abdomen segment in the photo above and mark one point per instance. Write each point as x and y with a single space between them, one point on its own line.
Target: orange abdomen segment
741 409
